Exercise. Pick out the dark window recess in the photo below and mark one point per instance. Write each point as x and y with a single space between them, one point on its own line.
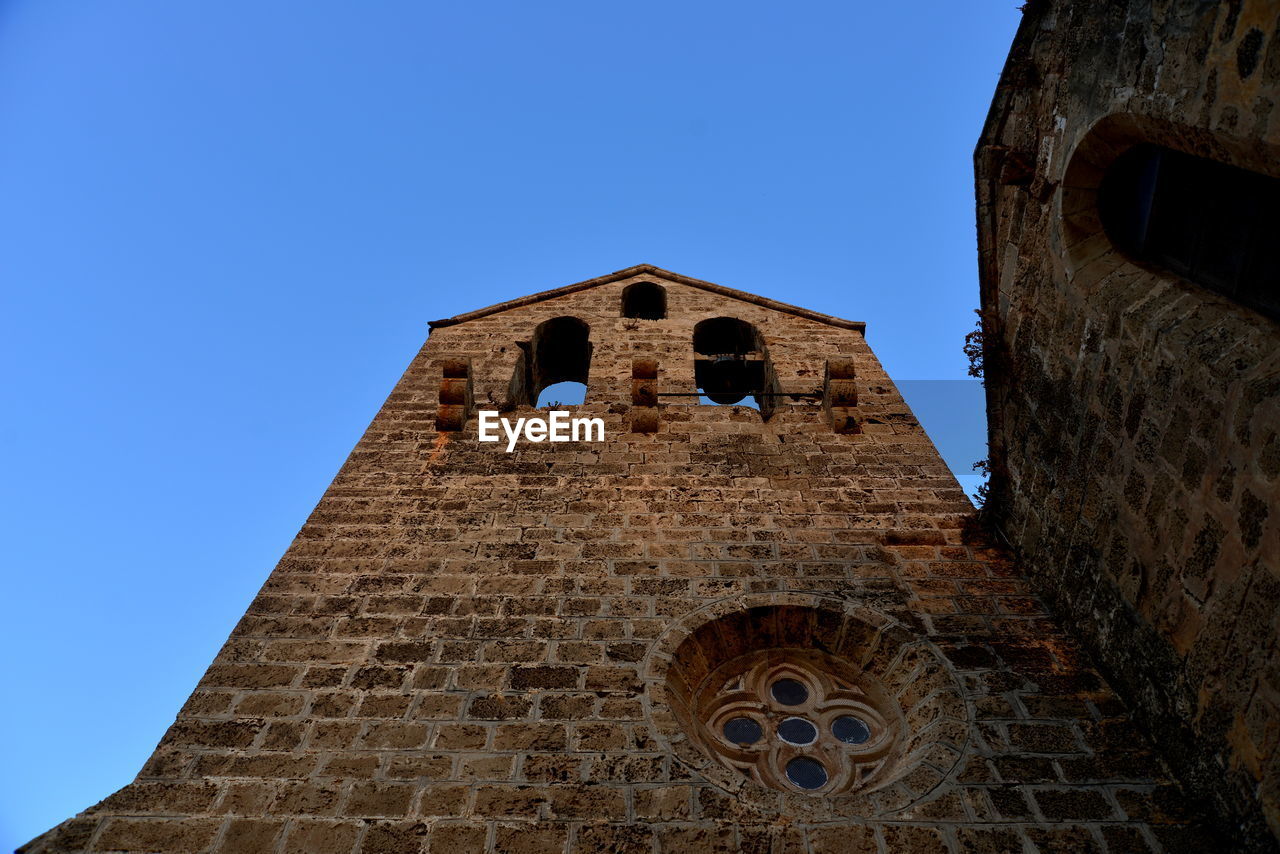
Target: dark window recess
1213 224
645 301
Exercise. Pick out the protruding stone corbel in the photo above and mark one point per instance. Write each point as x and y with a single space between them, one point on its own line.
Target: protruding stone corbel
644 395
456 395
840 396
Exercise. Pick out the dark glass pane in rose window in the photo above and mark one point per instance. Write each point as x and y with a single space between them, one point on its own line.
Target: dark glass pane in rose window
798 731
850 730
806 773
789 692
742 731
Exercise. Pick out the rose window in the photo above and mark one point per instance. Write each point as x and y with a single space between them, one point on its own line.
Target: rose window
797 721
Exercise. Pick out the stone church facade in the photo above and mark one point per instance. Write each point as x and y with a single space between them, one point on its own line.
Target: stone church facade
549 650
782 628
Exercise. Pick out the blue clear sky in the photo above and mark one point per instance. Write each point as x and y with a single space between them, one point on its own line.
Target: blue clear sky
224 226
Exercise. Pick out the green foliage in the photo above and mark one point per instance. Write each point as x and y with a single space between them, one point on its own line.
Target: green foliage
973 347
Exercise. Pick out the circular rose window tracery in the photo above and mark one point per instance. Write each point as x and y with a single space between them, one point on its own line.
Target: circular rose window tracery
850 713
797 720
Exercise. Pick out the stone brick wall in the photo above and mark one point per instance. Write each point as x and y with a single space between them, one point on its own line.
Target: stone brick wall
463 650
1134 416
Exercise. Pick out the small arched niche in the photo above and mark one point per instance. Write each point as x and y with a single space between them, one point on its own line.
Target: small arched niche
559 352
644 301
732 367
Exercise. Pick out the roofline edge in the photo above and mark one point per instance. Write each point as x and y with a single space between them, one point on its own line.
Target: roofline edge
640 269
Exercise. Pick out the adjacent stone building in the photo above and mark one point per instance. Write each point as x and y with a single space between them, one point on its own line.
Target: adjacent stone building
722 628
1129 211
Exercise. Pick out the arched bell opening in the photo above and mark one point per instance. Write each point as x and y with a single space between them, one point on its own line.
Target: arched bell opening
559 355
731 366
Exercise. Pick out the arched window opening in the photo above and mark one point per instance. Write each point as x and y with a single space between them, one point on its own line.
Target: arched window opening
1212 224
644 301
567 393
733 365
559 355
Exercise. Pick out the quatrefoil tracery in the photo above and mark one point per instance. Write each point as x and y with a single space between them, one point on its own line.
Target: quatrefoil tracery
814 732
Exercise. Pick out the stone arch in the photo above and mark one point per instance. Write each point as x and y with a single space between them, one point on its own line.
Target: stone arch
644 301
559 351
731 363
1088 252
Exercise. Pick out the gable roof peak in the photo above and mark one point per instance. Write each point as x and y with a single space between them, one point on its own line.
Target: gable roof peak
658 272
